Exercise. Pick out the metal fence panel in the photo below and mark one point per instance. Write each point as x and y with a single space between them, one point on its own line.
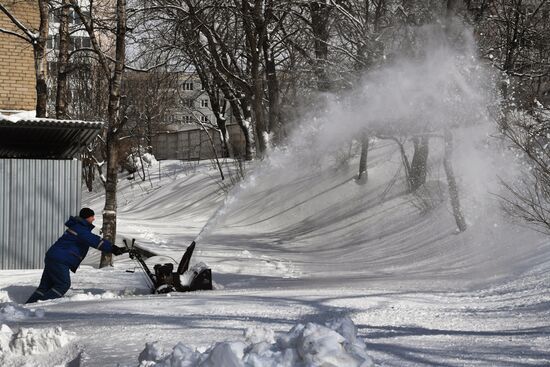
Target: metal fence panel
195 144
37 196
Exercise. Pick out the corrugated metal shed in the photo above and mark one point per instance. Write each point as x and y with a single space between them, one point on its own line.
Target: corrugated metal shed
37 198
40 185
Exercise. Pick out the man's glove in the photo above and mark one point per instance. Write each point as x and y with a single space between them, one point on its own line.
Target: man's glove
118 250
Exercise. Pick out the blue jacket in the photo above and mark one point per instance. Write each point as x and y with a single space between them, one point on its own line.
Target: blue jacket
71 248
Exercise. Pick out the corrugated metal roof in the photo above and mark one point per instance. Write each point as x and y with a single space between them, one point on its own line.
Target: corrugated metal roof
42 138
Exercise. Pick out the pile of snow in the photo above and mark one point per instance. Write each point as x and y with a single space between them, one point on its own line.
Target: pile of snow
10 311
140 159
149 159
13 311
32 341
333 345
89 296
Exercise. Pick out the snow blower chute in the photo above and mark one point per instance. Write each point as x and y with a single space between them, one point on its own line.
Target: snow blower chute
165 279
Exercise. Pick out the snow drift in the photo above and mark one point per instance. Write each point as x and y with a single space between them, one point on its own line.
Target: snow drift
333 345
11 311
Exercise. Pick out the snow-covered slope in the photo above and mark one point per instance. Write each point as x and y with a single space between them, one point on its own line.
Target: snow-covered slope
299 246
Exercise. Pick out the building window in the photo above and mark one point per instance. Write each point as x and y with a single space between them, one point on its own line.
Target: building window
54 16
188 103
187 119
55 45
75 43
86 43
204 103
80 42
188 86
205 119
73 18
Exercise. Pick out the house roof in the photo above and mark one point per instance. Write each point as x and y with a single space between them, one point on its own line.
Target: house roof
43 138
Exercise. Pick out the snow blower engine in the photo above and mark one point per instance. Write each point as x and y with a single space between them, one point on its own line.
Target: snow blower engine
165 280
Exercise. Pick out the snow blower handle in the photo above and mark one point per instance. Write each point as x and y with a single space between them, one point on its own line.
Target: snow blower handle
134 254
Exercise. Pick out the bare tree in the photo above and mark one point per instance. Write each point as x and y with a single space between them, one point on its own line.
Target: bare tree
113 71
320 13
529 134
149 99
363 173
419 163
514 37
451 182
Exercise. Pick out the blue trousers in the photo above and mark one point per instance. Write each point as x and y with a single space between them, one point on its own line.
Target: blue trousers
55 282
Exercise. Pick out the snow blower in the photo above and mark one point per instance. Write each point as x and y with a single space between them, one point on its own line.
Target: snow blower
165 279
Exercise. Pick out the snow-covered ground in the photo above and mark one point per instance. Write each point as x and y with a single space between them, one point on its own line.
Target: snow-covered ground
293 260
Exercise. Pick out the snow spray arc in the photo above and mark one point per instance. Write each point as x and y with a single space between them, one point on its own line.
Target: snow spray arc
442 86
165 279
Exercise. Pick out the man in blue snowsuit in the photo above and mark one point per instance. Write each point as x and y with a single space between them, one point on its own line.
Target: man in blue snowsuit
67 253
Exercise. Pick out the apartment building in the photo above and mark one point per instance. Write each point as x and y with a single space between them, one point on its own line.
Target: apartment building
193 107
190 128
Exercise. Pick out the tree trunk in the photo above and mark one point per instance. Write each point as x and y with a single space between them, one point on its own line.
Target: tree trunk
88 172
320 15
274 113
254 29
213 146
113 130
240 108
41 62
453 188
419 163
363 172
110 209
63 63
257 106
218 109
244 122
222 125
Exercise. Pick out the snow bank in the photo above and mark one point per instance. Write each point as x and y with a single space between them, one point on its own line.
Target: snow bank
335 344
32 341
28 346
13 311
36 347
10 311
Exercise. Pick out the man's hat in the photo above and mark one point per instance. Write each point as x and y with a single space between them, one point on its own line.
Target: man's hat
86 213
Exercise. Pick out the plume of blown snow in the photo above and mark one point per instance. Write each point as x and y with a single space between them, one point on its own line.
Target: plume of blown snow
442 86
